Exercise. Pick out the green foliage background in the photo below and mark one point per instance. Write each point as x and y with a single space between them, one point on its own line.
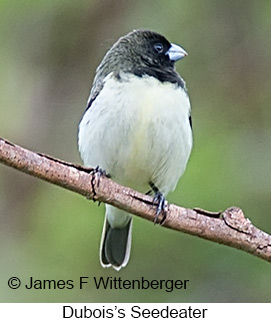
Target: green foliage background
48 55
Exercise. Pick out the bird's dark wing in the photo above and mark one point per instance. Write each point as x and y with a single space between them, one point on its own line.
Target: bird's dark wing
95 91
190 121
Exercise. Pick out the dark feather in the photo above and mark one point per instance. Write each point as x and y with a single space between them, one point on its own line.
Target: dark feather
163 74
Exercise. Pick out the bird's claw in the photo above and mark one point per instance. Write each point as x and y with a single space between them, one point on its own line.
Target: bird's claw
161 206
161 202
98 172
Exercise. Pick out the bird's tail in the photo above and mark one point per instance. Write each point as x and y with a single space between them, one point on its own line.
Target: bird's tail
116 238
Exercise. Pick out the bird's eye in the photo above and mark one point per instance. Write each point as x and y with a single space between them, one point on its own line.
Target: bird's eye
158 47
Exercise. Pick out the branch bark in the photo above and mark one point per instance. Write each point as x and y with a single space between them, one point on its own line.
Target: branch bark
231 228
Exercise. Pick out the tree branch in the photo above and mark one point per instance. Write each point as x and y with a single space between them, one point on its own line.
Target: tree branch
231 228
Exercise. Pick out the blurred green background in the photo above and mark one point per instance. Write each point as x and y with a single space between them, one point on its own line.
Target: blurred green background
48 54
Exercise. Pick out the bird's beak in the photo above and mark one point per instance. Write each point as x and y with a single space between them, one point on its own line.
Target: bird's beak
176 52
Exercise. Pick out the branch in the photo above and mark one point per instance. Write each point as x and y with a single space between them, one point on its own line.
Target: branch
231 228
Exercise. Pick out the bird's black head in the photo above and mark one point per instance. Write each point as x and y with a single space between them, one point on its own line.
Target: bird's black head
148 48
141 52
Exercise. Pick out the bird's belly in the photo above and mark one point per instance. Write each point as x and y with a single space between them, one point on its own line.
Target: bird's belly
158 152
144 137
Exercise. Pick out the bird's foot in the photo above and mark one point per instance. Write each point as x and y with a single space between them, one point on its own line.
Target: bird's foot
98 172
160 201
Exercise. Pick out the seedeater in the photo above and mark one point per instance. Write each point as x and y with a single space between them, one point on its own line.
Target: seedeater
136 127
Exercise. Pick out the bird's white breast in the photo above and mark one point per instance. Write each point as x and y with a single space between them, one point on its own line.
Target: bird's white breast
138 130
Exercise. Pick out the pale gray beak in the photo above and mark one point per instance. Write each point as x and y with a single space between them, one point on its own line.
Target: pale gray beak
176 52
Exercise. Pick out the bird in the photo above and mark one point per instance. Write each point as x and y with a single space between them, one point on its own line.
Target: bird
137 128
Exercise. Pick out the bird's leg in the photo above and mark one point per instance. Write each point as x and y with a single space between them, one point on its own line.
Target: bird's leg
159 198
